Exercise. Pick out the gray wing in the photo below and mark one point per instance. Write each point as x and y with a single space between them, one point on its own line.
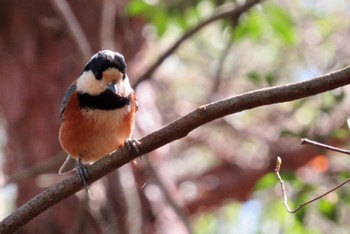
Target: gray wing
66 98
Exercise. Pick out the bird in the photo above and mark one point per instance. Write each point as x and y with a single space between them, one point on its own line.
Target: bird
97 113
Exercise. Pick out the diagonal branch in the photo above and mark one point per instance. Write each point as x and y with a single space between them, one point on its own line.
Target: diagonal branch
218 76
225 11
329 147
174 131
63 8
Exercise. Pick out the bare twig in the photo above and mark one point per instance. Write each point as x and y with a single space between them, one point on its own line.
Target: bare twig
174 131
78 35
225 11
307 141
220 68
35 170
285 197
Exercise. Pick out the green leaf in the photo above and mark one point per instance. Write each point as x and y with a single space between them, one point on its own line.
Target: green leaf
156 15
160 21
328 209
273 20
339 96
138 7
270 79
250 26
205 224
254 77
300 215
281 23
340 134
181 21
289 176
267 181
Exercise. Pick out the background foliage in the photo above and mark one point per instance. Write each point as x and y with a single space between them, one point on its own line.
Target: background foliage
219 179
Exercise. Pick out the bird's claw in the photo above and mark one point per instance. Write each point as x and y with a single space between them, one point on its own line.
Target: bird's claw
132 145
83 174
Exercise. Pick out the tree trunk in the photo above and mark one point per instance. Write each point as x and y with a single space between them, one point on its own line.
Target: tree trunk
39 60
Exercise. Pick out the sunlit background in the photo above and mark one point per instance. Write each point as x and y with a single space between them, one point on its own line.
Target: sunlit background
218 179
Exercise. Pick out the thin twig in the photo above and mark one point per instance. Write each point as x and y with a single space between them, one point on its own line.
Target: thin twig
35 170
63 8
285 197
220 68
224 11
307 141
174 131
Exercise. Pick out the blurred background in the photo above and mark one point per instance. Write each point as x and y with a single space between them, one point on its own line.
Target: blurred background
218 179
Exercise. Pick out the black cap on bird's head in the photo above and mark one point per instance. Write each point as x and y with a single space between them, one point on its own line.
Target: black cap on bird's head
106 70
104 60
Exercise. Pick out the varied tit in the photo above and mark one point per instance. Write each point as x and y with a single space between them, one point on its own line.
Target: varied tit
97 113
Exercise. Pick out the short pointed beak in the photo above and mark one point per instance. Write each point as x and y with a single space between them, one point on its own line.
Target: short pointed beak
112 87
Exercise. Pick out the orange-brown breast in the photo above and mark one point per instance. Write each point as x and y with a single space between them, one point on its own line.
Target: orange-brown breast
92 134
129 119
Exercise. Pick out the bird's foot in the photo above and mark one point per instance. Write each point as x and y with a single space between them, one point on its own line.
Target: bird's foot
132 145
83 174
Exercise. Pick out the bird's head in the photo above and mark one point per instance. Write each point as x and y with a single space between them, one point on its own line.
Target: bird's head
106 70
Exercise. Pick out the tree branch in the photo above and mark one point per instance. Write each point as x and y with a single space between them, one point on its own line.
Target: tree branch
36 169
284 193
225 11
335 149
218 76
63 8
174 131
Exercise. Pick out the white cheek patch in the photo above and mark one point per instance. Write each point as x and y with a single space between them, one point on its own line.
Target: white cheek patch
124 88
87 83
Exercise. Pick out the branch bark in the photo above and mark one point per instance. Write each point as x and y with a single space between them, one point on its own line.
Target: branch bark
225 11
174 131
